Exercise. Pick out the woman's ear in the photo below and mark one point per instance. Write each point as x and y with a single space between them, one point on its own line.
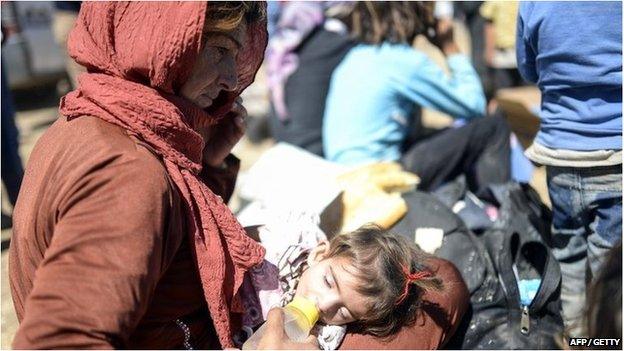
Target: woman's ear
318 253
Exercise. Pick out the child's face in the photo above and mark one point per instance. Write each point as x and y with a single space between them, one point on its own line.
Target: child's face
330 283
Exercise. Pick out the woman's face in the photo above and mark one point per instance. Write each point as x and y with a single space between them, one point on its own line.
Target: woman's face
215 68
330 283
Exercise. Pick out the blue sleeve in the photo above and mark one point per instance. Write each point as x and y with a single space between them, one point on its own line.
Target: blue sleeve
525 53
460 95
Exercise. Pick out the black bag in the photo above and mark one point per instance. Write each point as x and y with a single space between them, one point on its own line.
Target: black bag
466 205
426 211
459 245
495 318
513 248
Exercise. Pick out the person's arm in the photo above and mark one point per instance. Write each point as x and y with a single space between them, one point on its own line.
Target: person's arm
222 180
490 40
525 50
459 95
424 83
105 257
220 167
489 34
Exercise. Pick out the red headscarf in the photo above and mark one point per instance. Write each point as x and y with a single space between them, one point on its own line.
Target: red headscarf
138 55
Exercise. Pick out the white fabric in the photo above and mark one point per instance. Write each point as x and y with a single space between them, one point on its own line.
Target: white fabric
288 235
571 158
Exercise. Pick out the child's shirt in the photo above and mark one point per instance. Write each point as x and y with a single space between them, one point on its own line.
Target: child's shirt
288 237
373 94
573 52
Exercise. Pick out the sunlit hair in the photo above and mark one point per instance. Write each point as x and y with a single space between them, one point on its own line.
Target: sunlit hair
378 261
375 22
227 15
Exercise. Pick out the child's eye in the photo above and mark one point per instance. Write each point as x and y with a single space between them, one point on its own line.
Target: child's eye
326 281
343 314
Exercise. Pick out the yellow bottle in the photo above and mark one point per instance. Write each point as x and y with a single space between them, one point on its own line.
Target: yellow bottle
300 315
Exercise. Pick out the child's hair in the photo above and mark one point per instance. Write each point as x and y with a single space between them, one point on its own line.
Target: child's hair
375 22
382 262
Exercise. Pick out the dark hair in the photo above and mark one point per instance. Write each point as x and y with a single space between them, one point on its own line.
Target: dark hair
375 22
227 15
604 299
379 259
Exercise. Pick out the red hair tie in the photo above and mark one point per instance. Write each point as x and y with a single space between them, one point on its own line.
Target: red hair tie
410 278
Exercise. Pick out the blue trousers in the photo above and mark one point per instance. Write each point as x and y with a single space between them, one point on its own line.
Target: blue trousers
587 223
11 163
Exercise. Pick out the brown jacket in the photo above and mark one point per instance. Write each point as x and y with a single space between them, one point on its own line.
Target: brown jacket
99 256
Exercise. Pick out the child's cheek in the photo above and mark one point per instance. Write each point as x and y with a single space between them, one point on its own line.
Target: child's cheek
305 287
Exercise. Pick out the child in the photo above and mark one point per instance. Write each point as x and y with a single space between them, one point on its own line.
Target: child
573 52
369 279
383 81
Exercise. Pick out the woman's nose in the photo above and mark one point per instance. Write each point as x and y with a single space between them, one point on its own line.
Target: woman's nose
229 78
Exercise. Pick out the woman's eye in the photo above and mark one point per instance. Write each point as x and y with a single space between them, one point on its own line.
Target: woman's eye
343 314
221 51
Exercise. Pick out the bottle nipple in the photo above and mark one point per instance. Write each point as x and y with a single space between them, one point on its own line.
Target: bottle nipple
307 308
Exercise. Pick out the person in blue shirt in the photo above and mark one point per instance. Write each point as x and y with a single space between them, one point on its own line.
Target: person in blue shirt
573 51
381 82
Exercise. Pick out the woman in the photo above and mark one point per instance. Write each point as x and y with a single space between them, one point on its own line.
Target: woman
377 86
122 237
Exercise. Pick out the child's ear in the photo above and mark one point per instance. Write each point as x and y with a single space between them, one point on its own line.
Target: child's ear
318 253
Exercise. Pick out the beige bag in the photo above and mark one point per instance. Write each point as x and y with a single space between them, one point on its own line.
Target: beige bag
372 194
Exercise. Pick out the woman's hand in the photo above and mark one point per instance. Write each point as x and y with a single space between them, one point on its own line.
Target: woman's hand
275 337
221 138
